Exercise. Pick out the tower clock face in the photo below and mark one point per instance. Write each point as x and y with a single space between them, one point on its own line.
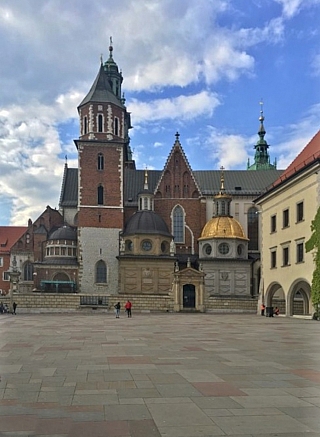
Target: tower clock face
146 245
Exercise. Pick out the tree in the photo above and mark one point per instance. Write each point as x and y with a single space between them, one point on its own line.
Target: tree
314 244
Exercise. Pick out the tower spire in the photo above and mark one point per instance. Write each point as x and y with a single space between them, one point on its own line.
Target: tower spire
261 156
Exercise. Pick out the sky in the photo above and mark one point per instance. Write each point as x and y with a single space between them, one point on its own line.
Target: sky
199 67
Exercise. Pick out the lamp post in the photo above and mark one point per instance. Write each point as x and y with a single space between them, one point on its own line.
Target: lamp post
14 275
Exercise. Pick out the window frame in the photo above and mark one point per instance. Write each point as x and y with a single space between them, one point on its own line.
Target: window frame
101 272
178 224
300 252
285 218
273 223
285 256
300 212
273 259
100 195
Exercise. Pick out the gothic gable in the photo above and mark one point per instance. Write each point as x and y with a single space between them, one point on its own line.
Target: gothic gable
177 180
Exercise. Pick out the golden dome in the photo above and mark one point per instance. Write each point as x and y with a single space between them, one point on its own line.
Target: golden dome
223 227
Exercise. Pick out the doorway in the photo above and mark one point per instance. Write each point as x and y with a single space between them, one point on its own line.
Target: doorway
189 296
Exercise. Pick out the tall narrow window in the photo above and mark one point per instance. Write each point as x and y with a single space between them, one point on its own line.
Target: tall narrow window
273 259
100 161
116 126
100 195
28 271
273 223
100 123
286 218
101 272
285 256
85 125
300 216
300 253
253 228
178 224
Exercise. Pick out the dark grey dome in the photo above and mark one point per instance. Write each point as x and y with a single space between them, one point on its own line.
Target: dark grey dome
146 222
64 233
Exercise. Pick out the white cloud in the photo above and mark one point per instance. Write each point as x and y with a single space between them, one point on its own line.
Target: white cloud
183 107
293 7
30 167
315 65
227 150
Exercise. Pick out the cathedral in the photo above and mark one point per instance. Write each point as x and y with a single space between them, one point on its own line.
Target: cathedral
170 240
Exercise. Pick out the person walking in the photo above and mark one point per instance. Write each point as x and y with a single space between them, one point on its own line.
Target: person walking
263 307
128 307
118 308
14 306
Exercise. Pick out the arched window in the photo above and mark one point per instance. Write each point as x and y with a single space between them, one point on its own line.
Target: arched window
100 195
253 228
100 161
178 224
116 126
100 123
28 271
101 272
85 125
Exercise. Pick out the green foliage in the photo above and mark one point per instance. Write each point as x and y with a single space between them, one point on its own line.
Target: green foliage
314 244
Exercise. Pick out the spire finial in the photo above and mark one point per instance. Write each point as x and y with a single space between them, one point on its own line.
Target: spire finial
261 118
177 136
101 58
110 47
66 158
222 179
146 179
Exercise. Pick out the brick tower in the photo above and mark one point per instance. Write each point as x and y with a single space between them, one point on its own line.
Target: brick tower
103 153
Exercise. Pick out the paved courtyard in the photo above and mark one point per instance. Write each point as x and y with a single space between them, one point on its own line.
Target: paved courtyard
159 375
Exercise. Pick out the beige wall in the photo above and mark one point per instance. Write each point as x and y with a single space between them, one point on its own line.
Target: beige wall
304 188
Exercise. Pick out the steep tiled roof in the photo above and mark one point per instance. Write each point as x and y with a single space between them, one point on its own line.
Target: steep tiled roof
101 91
306 157
237 182
9 235
69 190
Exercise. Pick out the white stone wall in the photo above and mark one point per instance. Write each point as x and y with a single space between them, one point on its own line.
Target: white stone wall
227 279
98 244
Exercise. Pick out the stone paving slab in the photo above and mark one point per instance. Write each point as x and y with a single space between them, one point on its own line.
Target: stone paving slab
159 375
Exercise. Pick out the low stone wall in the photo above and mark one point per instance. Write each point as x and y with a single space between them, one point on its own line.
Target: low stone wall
65 302
231 305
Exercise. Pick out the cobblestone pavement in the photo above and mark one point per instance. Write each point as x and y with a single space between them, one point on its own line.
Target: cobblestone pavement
159 375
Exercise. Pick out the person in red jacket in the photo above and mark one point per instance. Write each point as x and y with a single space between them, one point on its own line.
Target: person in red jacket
128 307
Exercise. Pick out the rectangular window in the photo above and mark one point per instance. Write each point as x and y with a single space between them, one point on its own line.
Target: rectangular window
300 253
285 256
273 223
273 259
285 218
63 251
1 261
300 212
6 276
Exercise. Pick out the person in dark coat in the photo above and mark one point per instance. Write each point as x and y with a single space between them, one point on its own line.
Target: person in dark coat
117 307
14 306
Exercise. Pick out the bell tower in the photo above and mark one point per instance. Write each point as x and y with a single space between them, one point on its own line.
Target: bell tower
103 153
